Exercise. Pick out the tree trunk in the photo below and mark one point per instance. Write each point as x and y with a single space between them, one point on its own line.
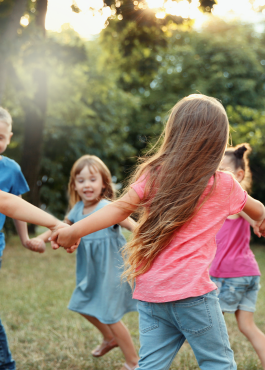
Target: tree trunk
35 114
8 37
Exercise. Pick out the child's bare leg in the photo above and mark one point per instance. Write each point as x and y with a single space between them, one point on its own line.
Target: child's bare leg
103 328
247 326
124 340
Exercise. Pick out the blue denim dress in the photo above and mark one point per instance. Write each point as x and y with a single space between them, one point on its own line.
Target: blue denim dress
99 290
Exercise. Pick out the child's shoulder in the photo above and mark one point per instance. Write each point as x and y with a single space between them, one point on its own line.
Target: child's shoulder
224 178
74 211
77 206
10 164
221 184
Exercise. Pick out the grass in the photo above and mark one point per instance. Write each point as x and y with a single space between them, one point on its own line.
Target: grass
44 335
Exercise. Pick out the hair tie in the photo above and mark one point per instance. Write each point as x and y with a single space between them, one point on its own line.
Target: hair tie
239 152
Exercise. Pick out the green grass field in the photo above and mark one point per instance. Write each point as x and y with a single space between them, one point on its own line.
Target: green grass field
44 335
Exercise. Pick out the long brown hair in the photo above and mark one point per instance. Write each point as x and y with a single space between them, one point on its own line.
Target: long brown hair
193 144
95 164
238 156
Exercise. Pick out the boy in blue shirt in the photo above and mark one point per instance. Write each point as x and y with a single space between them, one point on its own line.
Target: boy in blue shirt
11 181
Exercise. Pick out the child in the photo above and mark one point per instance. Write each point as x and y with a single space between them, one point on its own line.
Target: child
185 200
234 269
18 209
12 181
99 295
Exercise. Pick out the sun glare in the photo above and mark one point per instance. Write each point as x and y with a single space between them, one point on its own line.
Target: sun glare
24 21
88 23
155 4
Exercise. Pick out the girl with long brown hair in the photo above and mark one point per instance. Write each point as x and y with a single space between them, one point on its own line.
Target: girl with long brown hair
184 201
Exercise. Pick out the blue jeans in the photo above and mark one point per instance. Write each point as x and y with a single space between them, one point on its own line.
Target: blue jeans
164 327
6 361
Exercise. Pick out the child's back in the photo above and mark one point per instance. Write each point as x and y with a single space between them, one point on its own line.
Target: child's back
182 269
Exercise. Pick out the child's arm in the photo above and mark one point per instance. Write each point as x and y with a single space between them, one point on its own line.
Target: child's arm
45 238
36 245
22 230
254 209
113 213
255 224
17 208
128 224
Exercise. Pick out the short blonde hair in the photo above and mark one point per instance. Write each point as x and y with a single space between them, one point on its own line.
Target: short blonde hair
5 117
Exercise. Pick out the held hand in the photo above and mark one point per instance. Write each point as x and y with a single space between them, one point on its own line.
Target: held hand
262 228
61 237
60 225
73 247
65 238
256 228
36 245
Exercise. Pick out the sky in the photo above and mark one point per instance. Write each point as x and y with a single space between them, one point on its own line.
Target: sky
87 24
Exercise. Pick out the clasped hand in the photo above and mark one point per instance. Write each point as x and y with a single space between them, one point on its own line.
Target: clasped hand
62 236
259 228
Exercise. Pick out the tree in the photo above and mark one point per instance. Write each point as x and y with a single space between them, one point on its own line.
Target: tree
10 13
35 110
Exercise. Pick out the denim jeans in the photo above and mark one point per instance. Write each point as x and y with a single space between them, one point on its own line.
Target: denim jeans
6 361
164 327
238 293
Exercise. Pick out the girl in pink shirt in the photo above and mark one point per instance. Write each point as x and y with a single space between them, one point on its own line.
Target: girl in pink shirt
183 200
234 269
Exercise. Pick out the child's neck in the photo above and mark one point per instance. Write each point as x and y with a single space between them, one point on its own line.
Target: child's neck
89 206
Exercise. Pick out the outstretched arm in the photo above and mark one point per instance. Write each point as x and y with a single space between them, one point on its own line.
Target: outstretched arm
17 208
112 214
256 211
254 224
36 245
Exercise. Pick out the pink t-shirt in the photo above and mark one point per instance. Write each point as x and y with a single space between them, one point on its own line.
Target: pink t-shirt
233 256
182 269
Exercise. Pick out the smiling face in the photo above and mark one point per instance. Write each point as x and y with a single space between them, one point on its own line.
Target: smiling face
89 185
5 136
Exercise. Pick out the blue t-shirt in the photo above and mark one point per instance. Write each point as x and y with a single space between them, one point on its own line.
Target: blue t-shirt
12 181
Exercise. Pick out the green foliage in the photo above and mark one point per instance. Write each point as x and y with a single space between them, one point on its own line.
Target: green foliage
87 112
111 96
223 60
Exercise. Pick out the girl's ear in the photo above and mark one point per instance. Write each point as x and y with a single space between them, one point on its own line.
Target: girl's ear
239 175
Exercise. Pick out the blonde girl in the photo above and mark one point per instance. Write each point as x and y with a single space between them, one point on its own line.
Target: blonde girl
234 269
184 201
99 296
